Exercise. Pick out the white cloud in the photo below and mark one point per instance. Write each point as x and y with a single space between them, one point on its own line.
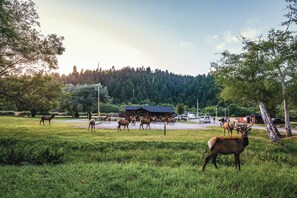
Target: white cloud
230 38
251 33
186 44
211 38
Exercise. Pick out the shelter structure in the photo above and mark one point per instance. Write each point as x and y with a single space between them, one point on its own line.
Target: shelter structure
163 111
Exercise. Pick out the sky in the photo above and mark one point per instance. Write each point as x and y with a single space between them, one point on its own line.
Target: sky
181 36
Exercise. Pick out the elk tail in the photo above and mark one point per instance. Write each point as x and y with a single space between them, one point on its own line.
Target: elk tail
212 142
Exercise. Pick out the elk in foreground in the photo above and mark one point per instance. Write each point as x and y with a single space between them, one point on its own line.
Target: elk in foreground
44 117
123 122
229 127
146 121
228 146
92 124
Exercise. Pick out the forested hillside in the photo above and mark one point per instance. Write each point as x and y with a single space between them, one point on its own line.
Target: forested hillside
142 85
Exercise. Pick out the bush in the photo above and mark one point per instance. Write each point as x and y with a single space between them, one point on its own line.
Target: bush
7 113
13 152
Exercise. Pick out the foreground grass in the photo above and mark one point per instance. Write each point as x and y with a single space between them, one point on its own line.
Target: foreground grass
63 160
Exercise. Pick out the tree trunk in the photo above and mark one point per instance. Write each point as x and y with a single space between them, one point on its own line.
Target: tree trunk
272 131
286 111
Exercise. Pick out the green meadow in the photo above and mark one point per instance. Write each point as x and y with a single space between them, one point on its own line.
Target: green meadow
65 160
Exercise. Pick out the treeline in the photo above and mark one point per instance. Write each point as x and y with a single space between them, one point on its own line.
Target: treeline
144 86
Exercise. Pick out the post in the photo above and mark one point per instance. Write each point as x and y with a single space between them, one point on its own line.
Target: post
164 128
216 111
99 101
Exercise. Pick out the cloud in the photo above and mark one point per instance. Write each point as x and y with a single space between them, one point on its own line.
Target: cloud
230 38
211 38
232 42
186 44
251 33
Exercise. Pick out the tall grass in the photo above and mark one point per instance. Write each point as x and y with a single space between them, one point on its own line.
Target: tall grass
65 160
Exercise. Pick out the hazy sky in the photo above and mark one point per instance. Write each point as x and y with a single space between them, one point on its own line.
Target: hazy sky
181 36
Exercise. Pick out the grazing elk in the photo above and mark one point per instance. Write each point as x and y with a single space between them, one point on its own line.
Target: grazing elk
44 117
146 121
133 120
92 124
229 127
170 120
228 146
123 122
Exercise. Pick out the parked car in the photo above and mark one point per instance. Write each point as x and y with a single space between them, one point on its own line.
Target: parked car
181 117
205 119
277 121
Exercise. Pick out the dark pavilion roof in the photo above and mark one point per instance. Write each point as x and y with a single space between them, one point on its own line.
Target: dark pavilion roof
152 109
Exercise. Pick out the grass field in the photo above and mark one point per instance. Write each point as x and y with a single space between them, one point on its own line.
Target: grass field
62 160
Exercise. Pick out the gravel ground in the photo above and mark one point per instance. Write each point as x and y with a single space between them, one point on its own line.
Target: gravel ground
192 125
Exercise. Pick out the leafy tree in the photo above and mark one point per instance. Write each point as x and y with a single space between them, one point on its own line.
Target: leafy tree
38 93
23 48
180 109
280 51
83 98
246 76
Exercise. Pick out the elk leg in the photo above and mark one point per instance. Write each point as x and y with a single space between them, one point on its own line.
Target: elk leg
207 160
237 161
128 127
214 161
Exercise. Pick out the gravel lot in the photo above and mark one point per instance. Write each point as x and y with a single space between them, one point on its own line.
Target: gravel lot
192 125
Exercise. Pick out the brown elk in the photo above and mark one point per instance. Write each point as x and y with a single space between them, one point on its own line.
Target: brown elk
44 117
228 146
229 127
133 120
123 122
92 124
146 121
170 120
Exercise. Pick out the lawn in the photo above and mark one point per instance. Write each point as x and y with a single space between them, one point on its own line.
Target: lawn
63 160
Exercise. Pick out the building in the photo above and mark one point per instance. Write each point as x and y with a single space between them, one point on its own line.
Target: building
163 111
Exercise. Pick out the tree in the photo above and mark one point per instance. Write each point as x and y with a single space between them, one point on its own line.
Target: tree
246 76
280 52
23 48
38 93
82 97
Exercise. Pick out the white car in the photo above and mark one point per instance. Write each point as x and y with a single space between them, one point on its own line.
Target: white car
181 117
205 119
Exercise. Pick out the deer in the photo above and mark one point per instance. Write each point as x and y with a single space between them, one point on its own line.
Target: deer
92 124
227 146
229 127
44 117
123 122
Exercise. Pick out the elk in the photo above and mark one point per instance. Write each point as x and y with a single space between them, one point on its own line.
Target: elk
123 122
44 117
146 121
229 127
228 146
170 120
133 120
92 124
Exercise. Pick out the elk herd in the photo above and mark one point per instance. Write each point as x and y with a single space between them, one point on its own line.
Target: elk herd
217 145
